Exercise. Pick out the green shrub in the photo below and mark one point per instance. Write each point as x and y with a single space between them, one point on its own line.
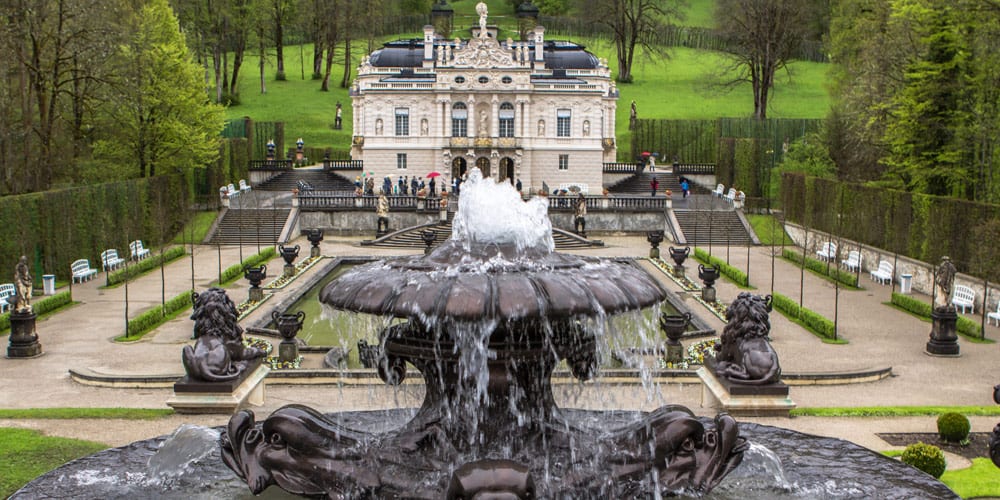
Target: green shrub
953 427
811 320
41 306
785 305
822 268
735 275
147 321
133 270
965 326
925 457
236 270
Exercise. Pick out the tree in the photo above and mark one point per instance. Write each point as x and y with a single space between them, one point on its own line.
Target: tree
764 35
281 10
161 119
633 23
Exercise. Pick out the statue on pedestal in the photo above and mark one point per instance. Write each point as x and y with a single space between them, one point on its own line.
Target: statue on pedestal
218 354
944 281
745 355
23 284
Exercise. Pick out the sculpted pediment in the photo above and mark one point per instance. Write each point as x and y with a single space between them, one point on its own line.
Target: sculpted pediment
484 52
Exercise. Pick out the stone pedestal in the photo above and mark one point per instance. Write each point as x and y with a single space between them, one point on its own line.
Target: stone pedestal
944 340
288 351
220 397
23 338
708 294
769 400
654 253
256 294
289 271
314 252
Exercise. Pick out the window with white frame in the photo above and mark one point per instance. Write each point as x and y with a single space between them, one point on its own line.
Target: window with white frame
506 120
459 120
402 121
401 161
563 162
563 122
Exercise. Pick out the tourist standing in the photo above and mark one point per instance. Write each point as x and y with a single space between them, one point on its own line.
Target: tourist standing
414 185
432 187
685 187
518 185
653 186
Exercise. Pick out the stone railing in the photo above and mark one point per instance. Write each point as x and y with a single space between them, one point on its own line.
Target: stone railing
343 165
344 200
694 169
619 168
271 164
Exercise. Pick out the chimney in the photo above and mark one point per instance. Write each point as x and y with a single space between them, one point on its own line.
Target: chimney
539 47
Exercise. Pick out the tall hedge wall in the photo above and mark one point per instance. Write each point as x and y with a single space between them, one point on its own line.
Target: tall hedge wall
920 226
56 227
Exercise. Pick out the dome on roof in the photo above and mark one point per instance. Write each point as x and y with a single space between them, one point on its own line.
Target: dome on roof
399 53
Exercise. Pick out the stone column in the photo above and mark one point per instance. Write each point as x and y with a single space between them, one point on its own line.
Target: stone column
23 338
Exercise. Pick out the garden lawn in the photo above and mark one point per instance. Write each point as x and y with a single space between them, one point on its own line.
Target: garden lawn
26 454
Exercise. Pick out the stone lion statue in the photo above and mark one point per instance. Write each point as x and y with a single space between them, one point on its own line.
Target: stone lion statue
745 355
218 354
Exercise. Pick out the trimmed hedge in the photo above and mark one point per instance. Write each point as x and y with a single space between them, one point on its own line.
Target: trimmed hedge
147 321
737 276
965 326
846 277
135 269
235 271
42 306
815 322
926 457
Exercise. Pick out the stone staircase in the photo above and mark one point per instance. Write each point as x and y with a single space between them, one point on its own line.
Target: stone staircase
249 226
411 237
716 227
638 185
318 179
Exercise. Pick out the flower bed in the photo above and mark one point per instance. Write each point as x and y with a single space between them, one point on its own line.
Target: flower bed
246 307
261 344
695 355
717 308
283 281
272 361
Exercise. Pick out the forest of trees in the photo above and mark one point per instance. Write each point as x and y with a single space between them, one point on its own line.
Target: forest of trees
100 90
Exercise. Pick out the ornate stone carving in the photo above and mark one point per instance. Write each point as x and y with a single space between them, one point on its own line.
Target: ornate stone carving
483 53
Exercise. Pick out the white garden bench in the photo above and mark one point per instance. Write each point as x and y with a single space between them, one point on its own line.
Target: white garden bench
828 251
7 291
995 316
964 297
853 260
719 191
110 259
244 186
730 195
139 251
82 270
883 274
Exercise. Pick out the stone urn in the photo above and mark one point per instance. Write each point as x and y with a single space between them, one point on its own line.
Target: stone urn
679 255
288 325
428 236
289 254
255 275
654 238
315 236
673 326
708 275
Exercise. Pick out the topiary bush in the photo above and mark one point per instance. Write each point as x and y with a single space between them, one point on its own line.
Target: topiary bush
926 457
954 427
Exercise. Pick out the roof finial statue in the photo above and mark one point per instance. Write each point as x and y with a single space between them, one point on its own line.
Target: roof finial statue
481 10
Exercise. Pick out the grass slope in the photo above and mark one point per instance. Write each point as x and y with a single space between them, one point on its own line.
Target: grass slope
26 454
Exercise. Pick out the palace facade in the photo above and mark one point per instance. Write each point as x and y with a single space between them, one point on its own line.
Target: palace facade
539 111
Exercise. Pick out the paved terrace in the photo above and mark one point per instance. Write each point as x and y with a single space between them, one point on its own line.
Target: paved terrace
80 337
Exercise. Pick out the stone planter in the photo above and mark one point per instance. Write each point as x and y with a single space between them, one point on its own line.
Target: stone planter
673 326
255 275
654 238
288 325
289 254
708 275
315 236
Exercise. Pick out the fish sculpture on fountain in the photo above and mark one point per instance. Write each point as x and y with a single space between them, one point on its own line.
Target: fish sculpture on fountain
487 317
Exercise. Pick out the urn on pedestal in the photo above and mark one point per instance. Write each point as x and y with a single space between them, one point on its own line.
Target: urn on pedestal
708 275
288 325
289 254
673 326
255 275
654 238
679 255
315 236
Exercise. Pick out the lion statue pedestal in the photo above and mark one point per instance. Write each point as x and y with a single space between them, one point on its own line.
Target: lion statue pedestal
744 376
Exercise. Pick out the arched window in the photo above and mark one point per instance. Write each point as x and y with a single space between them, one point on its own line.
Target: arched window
459 120
506 120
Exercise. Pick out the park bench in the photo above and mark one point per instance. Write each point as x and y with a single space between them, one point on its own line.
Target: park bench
719 191
828 251
139 252
244 187
305 186
7 291
110 259
730 195
964 297
853 260
883 274
995 316
82 270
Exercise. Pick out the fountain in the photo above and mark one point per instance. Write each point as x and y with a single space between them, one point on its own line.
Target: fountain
485 318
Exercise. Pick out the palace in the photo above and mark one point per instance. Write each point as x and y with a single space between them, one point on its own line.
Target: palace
539 111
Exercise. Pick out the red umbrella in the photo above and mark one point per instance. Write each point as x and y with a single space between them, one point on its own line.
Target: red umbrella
433 175
645 154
